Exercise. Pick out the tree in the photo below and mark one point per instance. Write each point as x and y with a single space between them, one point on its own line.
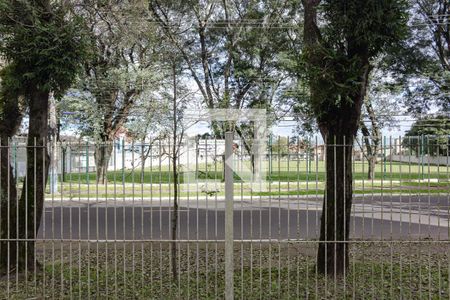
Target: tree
173 134
429 135
378 112
422 64
338 57
117 74
11 114
43 47
227 51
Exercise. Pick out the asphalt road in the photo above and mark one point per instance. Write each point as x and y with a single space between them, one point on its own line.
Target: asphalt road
387 217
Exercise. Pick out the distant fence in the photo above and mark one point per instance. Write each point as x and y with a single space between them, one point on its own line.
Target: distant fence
425 159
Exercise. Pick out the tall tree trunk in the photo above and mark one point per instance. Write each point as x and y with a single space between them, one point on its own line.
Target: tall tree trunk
31 203
8 209
371 168
102 156
334 227
372 138
369 154
53 145
174 217
9 124
175 176
63 167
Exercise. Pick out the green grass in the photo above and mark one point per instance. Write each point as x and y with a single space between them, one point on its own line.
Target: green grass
376 270
281 171
367 191
286 178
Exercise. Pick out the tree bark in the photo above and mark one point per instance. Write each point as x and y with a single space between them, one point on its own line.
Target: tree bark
63 167
338 123
9 124
371 150
8 209
175 176
371 170
102 156
31 202
174 217
372 138
333 256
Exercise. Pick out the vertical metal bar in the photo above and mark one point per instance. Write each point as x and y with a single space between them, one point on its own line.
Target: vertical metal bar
429 213
133 217
240 160
354 219
34 205
1 206
8 212
206 215
115 218
79 149
260 222
103 178
421 180
409 218
344 159
188 249
252 180
391 237
143 159
398 146
335 209
279 215
229 198
34 227
105 209
197 229
324 210
62 221
124 207
17 219
383 147
160 218
316 228
216 292
298 220
52 149
71 196
448 214
88 222
151 211
169 206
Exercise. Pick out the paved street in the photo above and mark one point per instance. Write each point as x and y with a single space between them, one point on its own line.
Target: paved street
405 217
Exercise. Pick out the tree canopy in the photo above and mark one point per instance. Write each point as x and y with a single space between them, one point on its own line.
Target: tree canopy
429 135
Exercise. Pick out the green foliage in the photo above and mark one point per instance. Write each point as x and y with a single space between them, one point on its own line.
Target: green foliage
430 135
119 74
352 35
9 89
43 46
421 66
375 25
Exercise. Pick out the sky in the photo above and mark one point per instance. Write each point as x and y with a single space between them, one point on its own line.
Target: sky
287 128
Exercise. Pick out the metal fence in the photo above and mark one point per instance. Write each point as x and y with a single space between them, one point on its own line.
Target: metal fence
206 228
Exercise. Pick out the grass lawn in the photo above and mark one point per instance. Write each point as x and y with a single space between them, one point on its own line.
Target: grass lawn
143 271
280 171
286 178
